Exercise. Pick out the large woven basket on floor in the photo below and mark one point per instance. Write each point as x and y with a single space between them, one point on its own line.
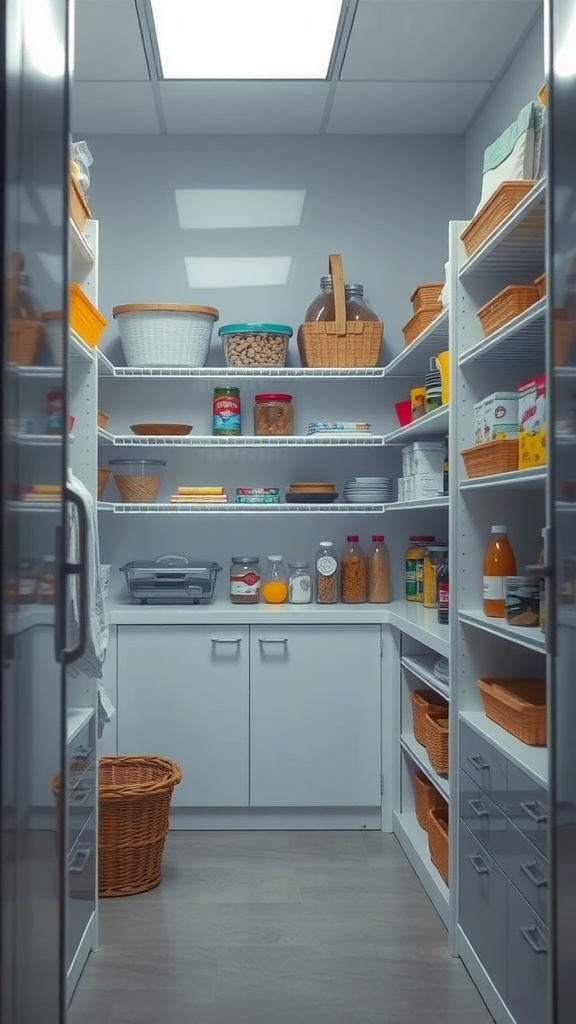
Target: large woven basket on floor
425 702
426 796
134 806
339 342
438 839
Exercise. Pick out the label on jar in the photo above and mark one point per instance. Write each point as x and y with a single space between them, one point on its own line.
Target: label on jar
414 568
326 565
246 584
226 418
300 589
443 600
493 588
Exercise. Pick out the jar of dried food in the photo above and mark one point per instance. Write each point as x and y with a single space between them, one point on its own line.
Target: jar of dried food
326 574
322 307
353 573
299 583
522 601
226 412
414 561
434 557
378 571
273 415
245 580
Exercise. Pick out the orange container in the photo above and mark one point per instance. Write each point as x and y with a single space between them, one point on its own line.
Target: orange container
85 319
78 207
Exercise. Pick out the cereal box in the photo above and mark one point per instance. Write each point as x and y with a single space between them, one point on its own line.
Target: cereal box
500 416
532 422
478 422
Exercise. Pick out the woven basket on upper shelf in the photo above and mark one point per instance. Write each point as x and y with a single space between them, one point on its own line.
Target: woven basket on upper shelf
518 705
437 742
419 322
339 342
79 209
134 806
500 204
426 796
23 340
507 304
500 456
438 839
426 296
425 702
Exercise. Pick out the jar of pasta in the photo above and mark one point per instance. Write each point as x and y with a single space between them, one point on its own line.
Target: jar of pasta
326 574
273 415
434 557
353 573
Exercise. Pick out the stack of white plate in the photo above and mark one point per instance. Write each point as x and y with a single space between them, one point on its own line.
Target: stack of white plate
366 489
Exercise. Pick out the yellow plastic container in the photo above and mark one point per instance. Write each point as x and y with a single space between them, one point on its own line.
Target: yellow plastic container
85 320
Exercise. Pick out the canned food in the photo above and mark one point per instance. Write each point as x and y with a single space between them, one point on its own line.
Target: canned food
522 600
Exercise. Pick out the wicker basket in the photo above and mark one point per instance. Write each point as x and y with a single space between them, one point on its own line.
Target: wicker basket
425 702
507 304
427 296
426 796
137 488
518 705
134 807
165 334
438 839
23 340
102 418
500 456
103 475
79 209
540 283
500 204
437 742
339 342
419 322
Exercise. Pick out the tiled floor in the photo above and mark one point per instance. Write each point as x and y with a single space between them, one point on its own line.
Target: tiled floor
277 928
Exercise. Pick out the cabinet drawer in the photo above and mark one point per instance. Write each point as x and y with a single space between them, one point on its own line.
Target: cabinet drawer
82 750
485 765
484 819
482 900
528 807
81 899
528 869
81 804
527 961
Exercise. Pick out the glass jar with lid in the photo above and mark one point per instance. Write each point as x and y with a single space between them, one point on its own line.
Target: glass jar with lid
434 558
275 587
245 579
326 574
353 572
299 583
273 415
356 306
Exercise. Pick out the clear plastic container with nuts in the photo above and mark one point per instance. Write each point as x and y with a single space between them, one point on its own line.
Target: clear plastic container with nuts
255 344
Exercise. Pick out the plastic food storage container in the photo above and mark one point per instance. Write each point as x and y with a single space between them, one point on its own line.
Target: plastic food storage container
273 415
165 333
171 579
137 479
255 344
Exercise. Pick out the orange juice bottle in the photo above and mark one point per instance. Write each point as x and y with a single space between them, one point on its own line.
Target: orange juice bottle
275 586
499 561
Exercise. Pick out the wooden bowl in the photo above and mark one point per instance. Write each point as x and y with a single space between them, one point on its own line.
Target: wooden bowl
314 486
161 428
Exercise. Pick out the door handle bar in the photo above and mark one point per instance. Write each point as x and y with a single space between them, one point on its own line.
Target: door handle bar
530 807
480 809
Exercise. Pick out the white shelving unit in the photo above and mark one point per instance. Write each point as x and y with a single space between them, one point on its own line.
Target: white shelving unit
530 637
433 424
231 508
518 479
517 243
422 667
413 357
414 842
245 441
420 757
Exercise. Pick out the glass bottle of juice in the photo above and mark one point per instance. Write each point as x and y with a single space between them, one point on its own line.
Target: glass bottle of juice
499 561
275 586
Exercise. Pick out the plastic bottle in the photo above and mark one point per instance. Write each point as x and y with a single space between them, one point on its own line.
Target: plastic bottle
499 561
275 586
353 572
443 592
378 571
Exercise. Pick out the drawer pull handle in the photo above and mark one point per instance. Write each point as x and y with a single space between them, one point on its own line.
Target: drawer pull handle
82 753
535 939
272 639
480 809
534 809
226 639
479 864
80 794
478 761
79 860
534 872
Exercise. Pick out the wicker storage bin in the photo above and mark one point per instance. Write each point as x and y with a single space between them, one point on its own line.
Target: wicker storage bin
23 340
500 204
165 333
340 342
507 304
426 796
134 807
419 322
437 742
425 702
137 479
518 705
540 283
500 456
79 209
427 296
438 839
103 475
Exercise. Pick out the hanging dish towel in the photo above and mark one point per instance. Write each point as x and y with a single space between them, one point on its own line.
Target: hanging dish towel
91 663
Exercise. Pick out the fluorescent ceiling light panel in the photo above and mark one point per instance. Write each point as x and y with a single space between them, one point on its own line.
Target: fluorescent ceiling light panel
239 207
237 271
245 39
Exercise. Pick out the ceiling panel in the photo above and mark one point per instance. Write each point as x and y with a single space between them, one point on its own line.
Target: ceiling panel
404 107
108 43
434 40
125 108
244 108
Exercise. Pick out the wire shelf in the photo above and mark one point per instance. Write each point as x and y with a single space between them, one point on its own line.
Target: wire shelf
79 350
518 243
80 251
34 372
248 441
517 342
414 359
433 424
156 508
106 368
40 440
535 477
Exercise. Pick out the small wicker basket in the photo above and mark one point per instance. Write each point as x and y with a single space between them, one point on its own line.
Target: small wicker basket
500 456
507 304
518 705
500 204
438 839
103 475
134 807
23 340
419 322
426 796
339 342
427 296
437 742
425 702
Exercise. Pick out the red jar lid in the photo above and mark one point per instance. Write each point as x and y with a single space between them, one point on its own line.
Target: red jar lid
421 537
353 537
378 536
273 398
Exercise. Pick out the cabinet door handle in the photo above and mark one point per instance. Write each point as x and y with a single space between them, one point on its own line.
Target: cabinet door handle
534 872
478 761
226 639
479 808
533 936
272 639
533 808
479 864
79 860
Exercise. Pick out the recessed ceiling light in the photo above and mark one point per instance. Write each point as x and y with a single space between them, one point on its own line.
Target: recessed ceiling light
215 208
245 39
237 271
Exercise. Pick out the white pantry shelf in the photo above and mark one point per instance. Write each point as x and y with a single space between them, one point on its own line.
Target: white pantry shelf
79 350
34 372
419 755
433 425
517 243
81 254
108 369
76 719
517 478
530 637
421 624
245 441
441 501
413 360
414 841
519 342
532 760
422 666
40 440
231 508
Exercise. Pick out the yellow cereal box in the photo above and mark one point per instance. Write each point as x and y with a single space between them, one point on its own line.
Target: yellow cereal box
532 422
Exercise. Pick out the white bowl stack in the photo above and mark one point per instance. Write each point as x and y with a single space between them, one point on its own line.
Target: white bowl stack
364 490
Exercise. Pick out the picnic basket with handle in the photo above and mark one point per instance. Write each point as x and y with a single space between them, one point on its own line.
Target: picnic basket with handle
339 342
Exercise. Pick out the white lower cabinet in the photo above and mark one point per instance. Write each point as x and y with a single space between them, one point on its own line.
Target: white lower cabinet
315 716
183 694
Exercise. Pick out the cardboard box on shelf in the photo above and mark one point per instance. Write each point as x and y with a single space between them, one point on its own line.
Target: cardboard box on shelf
423 457
427 485
532 422
479 422
500 416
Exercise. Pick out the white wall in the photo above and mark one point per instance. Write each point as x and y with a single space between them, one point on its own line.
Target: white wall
516 88
383 202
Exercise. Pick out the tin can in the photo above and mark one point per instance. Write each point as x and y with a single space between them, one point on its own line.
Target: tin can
226 411
522 600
